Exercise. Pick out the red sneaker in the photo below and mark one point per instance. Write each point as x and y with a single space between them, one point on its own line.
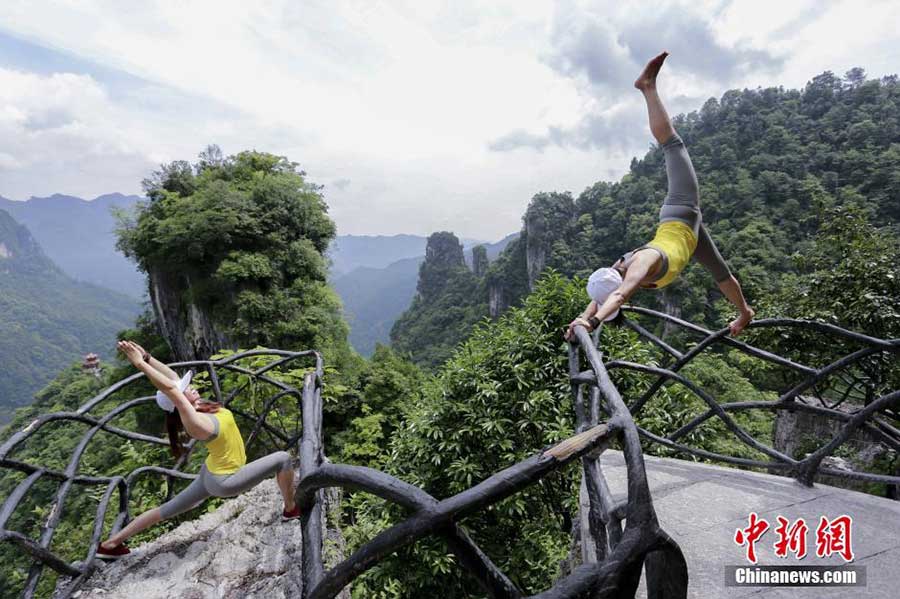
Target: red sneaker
114 553
290 515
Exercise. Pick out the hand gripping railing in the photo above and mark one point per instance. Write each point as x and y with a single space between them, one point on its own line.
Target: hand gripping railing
73 574
876 415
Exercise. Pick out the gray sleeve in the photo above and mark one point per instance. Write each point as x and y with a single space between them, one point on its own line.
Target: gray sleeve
215 423
708 255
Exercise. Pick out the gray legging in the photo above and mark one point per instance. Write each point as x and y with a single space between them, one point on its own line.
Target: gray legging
682 203
208 484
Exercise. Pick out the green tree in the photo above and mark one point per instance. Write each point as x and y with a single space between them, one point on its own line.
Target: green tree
249 231
849 276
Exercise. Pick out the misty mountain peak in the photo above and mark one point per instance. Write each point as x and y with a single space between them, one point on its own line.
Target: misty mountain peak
18 249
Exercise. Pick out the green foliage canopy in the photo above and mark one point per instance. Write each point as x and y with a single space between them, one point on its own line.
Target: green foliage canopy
250 232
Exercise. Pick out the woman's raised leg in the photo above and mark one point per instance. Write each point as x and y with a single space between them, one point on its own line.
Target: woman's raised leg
660 125
286 484
682 202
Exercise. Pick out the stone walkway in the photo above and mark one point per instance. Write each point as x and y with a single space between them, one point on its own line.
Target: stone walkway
702 506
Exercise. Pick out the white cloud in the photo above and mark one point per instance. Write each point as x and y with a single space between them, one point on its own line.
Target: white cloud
62 124
405 99
8 161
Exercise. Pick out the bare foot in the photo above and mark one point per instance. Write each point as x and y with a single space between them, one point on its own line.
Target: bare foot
647 78
738 324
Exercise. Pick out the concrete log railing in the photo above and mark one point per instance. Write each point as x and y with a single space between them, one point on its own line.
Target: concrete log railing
613 554
874 415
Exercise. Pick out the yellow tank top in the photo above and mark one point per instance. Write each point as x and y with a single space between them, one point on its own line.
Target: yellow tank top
226 451
677 241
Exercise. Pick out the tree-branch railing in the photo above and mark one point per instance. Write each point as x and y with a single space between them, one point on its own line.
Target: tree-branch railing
875 418
612 555
73 574
611 551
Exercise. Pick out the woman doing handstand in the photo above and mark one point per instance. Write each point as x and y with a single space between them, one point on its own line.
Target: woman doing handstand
680 234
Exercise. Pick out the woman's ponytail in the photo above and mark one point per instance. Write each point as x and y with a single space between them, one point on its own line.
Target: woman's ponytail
174 428
207 407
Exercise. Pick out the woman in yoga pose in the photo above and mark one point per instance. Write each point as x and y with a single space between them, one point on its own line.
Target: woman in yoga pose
680 234
225 472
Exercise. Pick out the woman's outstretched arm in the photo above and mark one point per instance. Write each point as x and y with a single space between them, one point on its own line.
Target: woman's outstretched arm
708 255
156 363
158 379
638 270
196 425
732 290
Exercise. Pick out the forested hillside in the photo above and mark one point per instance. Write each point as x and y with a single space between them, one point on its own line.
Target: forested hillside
47 320
79 236
375 296
772 164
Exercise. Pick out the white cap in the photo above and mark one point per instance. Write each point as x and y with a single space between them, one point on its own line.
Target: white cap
164 402
603 281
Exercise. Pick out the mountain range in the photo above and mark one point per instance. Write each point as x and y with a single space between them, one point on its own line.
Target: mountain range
374 294
48 319
375 275
79 236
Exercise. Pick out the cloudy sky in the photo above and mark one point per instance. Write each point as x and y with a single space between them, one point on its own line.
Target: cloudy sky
416 116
